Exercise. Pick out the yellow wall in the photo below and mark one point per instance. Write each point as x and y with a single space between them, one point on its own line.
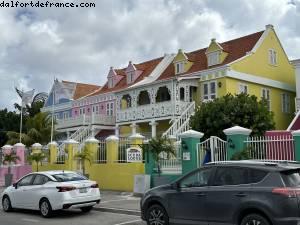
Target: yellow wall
215 47
258 63
116 176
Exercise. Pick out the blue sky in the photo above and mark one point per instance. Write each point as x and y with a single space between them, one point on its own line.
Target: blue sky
80 44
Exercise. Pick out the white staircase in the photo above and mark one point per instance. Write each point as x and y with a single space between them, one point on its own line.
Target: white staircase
181 123
80 136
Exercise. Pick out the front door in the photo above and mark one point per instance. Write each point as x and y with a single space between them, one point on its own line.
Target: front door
19 197
187 205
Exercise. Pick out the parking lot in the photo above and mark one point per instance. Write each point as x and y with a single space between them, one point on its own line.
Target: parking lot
116 209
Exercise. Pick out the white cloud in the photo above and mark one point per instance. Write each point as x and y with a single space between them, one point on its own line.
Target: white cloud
81 44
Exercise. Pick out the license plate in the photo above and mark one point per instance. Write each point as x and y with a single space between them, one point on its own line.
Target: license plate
83 190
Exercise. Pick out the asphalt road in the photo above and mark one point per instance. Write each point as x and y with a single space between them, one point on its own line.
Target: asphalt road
68 217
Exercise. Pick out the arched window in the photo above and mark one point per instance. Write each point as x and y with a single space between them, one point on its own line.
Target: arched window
143 98
126 102
163 94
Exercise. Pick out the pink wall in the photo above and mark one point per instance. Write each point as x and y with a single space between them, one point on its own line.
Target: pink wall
17 171
101 105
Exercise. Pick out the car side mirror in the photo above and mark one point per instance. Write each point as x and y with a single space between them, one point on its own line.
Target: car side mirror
15 185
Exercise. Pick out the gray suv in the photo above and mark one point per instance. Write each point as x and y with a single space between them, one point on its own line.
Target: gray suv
233 192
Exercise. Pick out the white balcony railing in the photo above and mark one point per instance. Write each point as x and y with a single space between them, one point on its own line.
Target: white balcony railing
157 110
82 120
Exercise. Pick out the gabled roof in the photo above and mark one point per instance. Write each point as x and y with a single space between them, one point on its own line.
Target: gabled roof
82 89
146 68
236 49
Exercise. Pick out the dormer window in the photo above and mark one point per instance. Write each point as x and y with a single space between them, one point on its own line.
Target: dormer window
213 58
130 77
110 82
179 67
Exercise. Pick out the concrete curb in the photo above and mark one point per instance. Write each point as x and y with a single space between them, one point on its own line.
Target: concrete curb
119 211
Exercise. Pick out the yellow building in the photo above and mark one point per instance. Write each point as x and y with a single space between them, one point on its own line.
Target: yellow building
255 64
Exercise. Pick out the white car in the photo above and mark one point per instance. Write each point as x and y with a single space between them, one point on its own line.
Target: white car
51 190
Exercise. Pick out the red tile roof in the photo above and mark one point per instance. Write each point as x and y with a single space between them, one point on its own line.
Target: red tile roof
236 49
81 89
146 68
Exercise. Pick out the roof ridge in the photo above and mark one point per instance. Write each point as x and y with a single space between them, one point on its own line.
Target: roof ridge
226 42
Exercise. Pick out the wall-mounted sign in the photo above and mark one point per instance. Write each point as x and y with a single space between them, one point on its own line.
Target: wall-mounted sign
134 154
186 156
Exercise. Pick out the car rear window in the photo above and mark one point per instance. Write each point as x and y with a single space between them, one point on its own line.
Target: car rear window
256 176
291 178
64 177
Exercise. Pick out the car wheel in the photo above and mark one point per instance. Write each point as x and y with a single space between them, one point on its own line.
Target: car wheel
254 219
6 204
45 208
86 209
157 215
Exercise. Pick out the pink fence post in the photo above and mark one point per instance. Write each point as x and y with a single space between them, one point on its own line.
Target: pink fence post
20 151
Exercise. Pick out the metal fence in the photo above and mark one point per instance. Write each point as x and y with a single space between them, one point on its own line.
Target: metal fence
171 164
270 148
124 143
213 149
101 154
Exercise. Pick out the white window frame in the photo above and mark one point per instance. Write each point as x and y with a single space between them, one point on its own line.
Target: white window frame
110 82
243 88
285 103
213 58
80 111
273 57
210 94
111 109
56 116
107 108
179 67
65 115
268 97
130 78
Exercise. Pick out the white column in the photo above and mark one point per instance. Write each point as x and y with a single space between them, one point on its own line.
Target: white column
296 65
153 125
93 131
68 134
133 127
117 130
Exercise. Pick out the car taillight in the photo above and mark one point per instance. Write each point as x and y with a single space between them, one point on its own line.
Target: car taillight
94 186
65 188
288 192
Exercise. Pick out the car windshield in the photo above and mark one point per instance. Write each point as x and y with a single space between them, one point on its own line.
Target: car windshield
64 177
291 178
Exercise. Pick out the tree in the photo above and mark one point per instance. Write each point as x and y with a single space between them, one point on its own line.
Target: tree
83 156
231 110
38 131
9 121
159 147
37 158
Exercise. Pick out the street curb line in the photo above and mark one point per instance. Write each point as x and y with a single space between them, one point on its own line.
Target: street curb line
119 211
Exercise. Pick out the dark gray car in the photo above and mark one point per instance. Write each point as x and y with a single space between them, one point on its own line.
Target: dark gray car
239 193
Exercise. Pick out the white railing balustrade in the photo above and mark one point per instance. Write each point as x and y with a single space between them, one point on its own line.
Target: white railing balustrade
124 143
84 119
156 110
182 123
101 156
173 163
271 148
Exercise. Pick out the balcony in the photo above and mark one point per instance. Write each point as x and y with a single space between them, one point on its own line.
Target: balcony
151 111
82 120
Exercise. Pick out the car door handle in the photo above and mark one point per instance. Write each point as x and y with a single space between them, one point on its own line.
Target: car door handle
241 194
200 194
